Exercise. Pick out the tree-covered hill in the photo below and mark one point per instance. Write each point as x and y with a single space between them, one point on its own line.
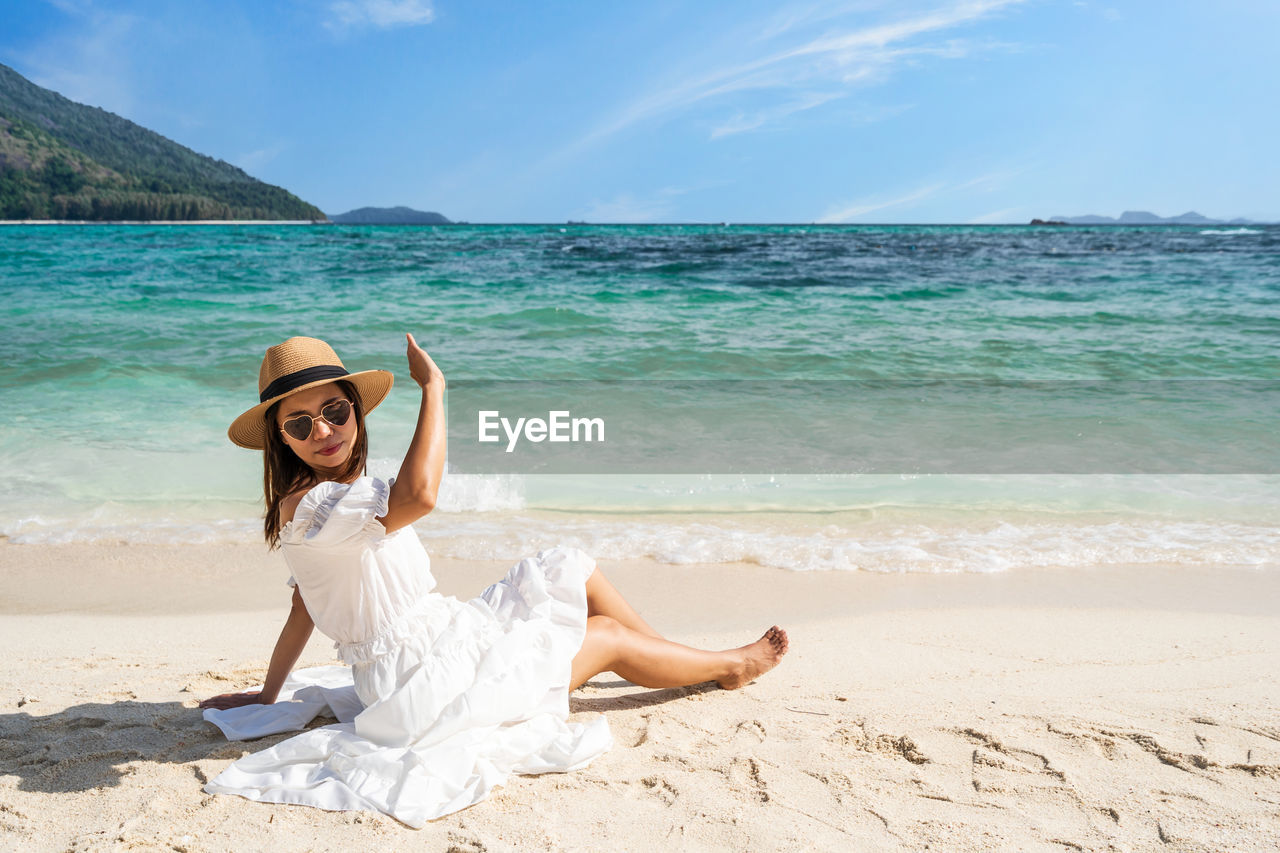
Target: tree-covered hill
63 160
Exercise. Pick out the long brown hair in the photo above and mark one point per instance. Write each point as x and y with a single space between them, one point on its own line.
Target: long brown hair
283 473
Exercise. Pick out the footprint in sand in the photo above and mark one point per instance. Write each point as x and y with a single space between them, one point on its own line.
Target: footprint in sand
642 736
88 770
900 746
1087 739
838 784
1003 769
459 843
77 723
12 821
1148 743
753 729
744 773
660 788
244 675
856 734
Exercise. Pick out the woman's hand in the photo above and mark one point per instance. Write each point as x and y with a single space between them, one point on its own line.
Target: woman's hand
421 367
231 700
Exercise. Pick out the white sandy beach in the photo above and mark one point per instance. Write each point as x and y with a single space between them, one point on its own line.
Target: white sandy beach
1109 710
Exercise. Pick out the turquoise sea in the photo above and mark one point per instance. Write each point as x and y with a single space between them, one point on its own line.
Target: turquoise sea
127 350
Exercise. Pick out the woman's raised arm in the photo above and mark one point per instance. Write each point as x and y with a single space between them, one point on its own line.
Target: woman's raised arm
414 492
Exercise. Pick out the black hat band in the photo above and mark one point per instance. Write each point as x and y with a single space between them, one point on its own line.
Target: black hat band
298 378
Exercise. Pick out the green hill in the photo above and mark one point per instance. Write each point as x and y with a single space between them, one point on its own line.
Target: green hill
63 160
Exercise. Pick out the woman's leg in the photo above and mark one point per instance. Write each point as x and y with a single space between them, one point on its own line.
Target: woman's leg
651 661
604 600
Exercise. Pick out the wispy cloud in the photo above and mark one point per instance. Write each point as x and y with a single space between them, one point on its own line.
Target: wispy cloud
832 64
848 118
255 160
626 208
1108 13
347 15
796 17
743 122
861 207
71 7
980 184
992 180
1000 217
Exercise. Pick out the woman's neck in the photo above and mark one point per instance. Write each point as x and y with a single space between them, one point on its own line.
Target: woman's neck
321 475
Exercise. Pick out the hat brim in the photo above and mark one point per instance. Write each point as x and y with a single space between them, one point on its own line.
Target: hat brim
250 429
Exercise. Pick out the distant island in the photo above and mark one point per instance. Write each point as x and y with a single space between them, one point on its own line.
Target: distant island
63 160
1141 217
389 216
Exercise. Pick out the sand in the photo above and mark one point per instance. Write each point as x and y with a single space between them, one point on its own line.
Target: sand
1111 709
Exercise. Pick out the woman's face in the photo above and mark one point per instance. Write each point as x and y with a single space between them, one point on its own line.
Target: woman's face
328 447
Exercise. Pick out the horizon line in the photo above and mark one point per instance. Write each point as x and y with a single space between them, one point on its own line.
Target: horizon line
580 224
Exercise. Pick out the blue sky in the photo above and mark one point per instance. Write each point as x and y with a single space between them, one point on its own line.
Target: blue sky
744 111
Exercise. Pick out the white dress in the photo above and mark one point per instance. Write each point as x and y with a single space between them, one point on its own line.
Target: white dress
442 700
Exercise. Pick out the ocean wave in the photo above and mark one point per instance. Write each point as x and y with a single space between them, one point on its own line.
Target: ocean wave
49 530
992 545
1230 231
480 493
466 492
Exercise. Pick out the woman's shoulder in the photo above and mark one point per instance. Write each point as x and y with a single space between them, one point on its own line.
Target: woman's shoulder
289 505
332 504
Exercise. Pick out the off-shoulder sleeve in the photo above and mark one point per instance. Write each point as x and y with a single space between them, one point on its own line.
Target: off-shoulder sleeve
335 512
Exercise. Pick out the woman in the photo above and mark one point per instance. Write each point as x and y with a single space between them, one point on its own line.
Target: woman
443 699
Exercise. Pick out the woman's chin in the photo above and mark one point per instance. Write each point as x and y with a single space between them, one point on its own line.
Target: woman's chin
331 464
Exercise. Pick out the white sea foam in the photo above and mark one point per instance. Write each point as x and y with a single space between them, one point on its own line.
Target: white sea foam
983 547
982 544
1230 231
480 493
466 492
46 530
880 523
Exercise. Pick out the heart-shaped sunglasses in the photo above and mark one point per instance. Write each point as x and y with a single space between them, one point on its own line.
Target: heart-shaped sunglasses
336 413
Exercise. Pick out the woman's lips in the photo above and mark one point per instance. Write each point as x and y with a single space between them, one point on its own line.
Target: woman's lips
329 451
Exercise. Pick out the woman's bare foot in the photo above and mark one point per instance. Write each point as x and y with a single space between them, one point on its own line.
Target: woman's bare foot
758 658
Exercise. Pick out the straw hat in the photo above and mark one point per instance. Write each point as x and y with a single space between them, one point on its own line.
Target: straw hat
295 365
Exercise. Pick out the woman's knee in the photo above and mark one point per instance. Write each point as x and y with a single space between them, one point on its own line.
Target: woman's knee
608 632
605 626
603 640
